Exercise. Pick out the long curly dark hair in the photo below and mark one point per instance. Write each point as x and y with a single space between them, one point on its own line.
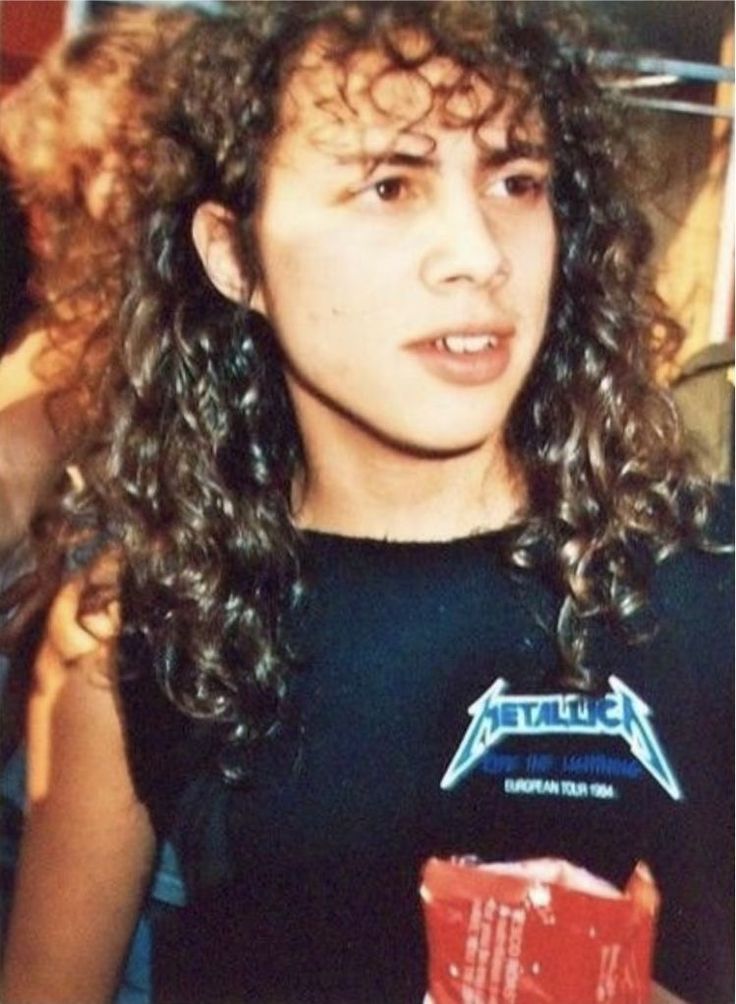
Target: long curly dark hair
193 472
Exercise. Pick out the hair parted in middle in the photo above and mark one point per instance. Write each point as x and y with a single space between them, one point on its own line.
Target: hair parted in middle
193 474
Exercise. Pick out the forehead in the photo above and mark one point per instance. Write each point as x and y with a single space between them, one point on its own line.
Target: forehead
365 100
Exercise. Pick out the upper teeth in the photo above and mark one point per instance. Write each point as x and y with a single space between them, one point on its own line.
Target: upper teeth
466 343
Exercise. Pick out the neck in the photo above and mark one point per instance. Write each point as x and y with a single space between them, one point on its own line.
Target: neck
383 492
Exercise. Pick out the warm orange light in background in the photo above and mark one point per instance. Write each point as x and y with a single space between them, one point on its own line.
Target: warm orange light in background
26 32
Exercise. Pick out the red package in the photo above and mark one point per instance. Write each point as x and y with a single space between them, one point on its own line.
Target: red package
536 932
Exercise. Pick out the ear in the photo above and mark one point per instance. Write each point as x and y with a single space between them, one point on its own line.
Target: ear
213 233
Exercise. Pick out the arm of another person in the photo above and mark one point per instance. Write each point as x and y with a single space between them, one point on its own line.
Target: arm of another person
88 844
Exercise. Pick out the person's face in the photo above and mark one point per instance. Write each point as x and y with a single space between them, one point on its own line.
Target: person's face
407 261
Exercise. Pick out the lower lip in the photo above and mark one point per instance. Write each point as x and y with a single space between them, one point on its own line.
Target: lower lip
466 369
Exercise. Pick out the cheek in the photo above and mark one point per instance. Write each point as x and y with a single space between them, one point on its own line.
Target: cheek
536 258
308 293
325 277
299 264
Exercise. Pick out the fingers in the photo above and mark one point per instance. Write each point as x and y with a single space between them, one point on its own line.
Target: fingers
86 611
103 625
660 995
65 633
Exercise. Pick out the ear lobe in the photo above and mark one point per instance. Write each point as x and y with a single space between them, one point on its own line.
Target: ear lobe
213 234
258 300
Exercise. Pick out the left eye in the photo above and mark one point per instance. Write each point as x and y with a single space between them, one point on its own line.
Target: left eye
517 186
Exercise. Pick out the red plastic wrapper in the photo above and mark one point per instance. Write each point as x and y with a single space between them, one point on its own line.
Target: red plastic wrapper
536 932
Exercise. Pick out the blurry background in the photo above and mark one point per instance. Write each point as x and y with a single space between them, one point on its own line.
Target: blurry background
676 61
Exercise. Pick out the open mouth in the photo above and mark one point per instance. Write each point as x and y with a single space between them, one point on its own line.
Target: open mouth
466 358
466 344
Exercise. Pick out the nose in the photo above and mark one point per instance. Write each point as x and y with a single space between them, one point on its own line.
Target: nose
463 250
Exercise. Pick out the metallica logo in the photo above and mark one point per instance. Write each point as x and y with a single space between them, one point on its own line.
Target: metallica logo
620 713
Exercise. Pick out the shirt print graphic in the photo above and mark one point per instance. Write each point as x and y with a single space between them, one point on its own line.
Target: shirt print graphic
620 713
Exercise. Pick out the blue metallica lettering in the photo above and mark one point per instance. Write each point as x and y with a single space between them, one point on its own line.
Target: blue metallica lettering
620 713
598 764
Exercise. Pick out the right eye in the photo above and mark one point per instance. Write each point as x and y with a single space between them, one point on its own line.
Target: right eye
390 189
393 190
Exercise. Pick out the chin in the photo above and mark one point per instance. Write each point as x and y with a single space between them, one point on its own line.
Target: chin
445 444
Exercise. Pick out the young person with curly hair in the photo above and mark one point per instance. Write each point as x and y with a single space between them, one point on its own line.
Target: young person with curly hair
385 445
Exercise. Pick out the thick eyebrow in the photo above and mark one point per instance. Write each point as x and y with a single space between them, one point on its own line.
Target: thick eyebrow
370 162
490 156
500 156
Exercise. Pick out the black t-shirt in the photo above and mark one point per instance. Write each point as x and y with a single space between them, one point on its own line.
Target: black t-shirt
427 726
